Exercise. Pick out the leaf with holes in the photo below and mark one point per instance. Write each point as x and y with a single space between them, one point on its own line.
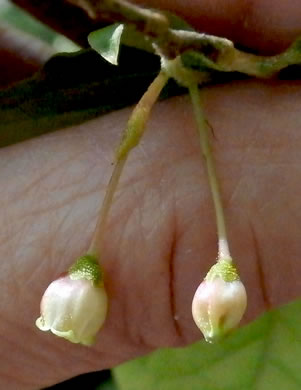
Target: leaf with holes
264 355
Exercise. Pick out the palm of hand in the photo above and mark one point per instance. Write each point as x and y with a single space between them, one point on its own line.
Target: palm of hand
160 239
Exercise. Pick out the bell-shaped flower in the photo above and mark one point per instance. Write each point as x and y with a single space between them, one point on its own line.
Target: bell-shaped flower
219 303
74 307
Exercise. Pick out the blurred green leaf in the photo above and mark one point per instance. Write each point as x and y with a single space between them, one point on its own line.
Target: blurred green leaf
21 20
73 88
264 355
106 42
24 21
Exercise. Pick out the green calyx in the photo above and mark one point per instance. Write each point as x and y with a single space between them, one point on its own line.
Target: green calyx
87 267
223 269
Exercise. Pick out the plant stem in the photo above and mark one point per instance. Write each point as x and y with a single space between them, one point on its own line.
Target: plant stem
223 247
105 208
154 25
131 137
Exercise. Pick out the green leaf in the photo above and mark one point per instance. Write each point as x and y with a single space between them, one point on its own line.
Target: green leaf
264 355
23 21
106 42
73 88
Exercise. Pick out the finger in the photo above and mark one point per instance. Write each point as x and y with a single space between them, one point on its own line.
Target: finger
161 236
262 25
68 20
21 55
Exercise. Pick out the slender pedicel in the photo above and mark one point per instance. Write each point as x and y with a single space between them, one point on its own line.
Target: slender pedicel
220 300
131 137
223 247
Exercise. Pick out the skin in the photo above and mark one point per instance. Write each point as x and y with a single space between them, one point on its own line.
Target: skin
262 25
21 55
160 238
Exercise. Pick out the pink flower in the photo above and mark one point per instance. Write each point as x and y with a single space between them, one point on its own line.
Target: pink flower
74 309
218 306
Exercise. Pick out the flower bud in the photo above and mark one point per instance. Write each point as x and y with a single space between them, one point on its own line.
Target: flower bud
219 302
74 307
